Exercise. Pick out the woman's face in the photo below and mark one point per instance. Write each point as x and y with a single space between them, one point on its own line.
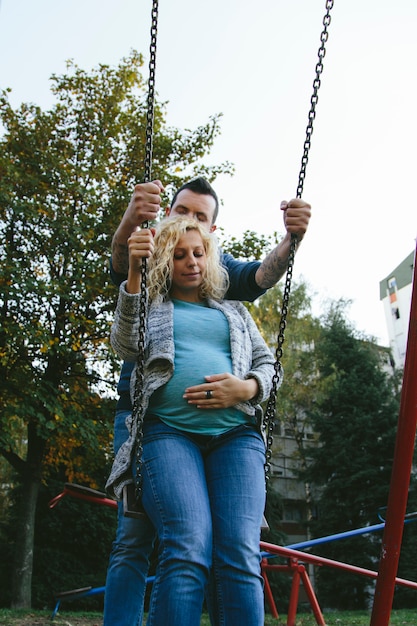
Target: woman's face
189 266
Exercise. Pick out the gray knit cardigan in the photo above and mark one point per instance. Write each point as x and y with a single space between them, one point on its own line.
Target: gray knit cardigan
251 358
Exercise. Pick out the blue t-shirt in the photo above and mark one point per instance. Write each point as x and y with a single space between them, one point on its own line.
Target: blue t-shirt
202 347
242 286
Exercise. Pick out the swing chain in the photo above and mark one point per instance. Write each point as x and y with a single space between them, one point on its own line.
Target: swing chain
270 411
314 98
151 94
138 409
269 416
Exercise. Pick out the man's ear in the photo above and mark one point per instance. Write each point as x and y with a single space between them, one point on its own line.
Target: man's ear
213 228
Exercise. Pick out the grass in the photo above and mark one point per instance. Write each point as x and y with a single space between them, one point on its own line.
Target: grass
333 618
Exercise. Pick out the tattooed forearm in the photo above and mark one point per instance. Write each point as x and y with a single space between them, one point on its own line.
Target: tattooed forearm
273 267
120 256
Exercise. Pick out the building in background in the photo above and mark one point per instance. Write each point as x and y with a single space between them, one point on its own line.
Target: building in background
395 293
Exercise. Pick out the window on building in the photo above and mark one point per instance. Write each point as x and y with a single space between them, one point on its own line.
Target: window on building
293 512
392 291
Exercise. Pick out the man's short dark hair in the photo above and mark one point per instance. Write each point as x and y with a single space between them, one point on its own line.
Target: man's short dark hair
202 186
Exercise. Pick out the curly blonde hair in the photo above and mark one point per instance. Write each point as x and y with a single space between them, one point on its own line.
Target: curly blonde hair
161 265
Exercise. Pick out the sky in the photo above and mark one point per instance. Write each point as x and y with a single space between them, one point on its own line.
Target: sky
254 62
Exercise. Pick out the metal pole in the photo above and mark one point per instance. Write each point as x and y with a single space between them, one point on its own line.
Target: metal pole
400 477
306 557
302 545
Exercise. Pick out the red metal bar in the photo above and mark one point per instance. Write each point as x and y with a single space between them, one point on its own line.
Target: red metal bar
299 572
295 588
268 592
312 597
305 557
400 477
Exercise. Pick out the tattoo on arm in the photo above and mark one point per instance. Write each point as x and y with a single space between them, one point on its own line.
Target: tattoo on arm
273 267
120 256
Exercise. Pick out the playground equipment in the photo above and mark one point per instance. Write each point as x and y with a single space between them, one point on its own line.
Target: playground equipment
295 565
386 578
133 504
400 477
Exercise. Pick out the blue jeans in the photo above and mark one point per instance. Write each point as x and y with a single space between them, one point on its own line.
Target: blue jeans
129 559
205 496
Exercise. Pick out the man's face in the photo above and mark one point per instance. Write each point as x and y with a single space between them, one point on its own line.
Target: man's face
195 206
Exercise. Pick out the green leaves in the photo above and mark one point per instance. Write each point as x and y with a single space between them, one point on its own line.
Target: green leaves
66 176
252 246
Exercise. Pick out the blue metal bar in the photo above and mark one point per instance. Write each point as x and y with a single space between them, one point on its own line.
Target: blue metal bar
412 517
94 591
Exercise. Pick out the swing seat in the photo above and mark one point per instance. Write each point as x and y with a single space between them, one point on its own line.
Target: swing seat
131 506
81 490
83 493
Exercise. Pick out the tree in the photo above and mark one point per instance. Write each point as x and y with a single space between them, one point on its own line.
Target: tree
251 247
65 178
355 414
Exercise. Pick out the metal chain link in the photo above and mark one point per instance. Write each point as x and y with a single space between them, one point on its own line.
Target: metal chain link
151 94
137 410
314 98
270 411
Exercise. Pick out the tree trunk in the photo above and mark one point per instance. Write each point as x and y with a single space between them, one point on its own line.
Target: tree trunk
23 558
25 532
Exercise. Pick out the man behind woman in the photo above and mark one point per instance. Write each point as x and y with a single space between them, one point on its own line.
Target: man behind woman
203 456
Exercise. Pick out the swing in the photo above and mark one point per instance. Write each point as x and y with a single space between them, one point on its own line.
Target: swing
132 505
132 493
